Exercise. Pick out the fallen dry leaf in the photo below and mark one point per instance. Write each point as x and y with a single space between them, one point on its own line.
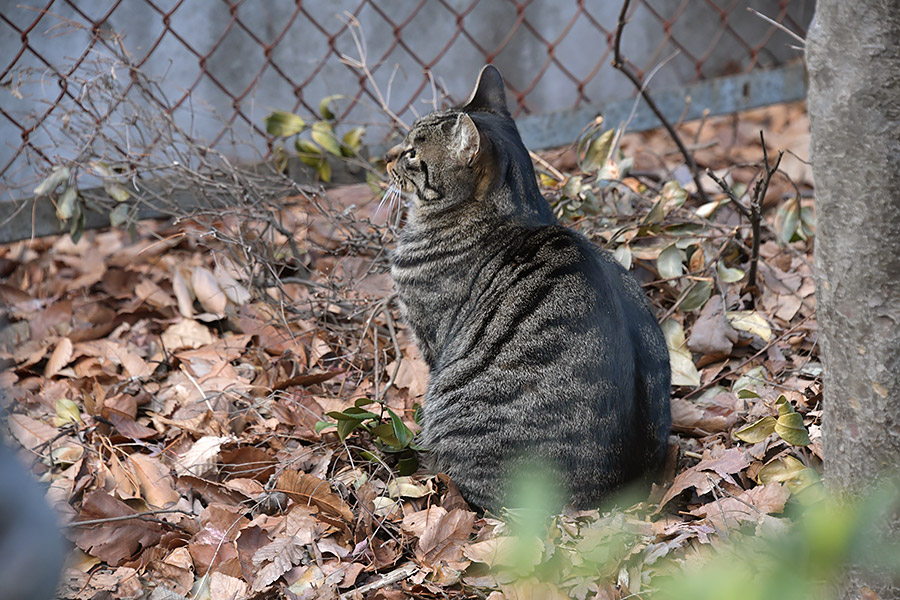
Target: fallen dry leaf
157 485
711 333
310 490
61 356
750 506
113 542
200 459
207 291
705 474
182 294
186 334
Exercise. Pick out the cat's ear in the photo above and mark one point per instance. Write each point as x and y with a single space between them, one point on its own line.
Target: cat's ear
466 139
489 94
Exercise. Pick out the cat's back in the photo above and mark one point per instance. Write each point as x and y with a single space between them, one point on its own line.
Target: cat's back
555 355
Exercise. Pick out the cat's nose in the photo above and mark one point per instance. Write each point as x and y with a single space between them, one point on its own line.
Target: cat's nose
392 155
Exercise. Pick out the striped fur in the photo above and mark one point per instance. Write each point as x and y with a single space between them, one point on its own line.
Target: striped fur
540 345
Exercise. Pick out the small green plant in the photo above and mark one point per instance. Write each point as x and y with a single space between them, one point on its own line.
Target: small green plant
388 432
321 141
61 187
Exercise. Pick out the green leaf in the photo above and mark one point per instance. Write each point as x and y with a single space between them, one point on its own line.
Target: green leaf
572 187
308 151
790 424
385 431
284 124
745 393
280 158
116 191
322 425
697 297
787 218
119 215
756 432
751 378
345 428
408 464
352 141
417 413
673 195
401 431
803 482
76 229
360 402
323 135
325 110
598 151
751 322
727 274
65 206
807 222
57 177
780 470
324 170
351 414
67 410
669 263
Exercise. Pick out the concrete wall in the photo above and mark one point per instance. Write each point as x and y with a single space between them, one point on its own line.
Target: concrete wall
238 62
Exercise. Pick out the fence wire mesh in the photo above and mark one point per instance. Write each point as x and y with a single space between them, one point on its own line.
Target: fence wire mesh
219 67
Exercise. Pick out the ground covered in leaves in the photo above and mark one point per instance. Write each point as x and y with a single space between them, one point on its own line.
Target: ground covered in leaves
176 407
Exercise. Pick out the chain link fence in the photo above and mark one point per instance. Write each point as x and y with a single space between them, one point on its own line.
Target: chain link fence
216 69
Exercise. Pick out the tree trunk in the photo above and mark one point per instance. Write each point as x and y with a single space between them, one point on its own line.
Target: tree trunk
853 56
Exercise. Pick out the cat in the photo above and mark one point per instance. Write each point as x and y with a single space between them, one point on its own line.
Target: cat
541 347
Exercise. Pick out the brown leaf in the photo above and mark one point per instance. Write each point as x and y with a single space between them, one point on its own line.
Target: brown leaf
702 417
711 333
443 537
148 291
29 432
121 411
61 356
175 571
186 334
201 457
226 587
308 489
750 506
113 542
182 295
213 545
247 461
157 485
413 375
248 487
287 550
208 292
705 474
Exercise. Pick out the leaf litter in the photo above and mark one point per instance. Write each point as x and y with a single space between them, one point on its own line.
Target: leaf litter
176 407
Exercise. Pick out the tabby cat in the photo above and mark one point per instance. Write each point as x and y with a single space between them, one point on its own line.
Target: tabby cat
540 345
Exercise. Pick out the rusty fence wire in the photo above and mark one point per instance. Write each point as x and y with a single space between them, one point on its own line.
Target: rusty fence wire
219 67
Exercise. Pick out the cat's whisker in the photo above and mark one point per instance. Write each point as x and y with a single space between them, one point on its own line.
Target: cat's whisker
386 198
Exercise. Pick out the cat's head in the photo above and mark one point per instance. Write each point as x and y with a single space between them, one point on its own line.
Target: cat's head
470 156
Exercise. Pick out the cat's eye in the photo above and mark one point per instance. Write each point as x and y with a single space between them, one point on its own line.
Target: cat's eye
411 154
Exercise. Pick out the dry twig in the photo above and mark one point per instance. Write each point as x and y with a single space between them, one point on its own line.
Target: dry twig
619 64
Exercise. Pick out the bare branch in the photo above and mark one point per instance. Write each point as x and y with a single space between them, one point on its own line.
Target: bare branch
619 64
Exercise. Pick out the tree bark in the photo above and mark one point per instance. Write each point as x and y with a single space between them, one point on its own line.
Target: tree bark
853 57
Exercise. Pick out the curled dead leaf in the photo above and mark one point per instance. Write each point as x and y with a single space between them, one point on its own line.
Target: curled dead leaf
208 292
310 490
60 357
